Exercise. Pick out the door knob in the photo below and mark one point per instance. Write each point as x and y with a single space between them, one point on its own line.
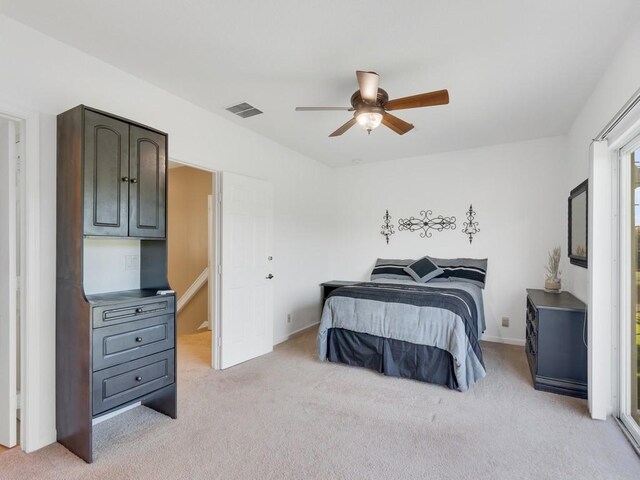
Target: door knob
269 277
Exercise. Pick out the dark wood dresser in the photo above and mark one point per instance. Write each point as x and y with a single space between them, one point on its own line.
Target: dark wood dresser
116 348
556 342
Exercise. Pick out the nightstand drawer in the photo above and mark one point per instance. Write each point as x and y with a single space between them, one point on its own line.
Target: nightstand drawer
127 341
118 385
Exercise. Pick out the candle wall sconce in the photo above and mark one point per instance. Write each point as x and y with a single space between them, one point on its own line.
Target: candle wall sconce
427 223
387 226
470 227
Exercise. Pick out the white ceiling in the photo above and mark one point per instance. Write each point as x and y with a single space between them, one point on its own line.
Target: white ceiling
515 69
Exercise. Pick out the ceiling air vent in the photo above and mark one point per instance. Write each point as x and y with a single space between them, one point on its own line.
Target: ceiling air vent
244 110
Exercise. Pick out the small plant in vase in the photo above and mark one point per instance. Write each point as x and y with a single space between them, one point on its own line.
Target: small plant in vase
552 283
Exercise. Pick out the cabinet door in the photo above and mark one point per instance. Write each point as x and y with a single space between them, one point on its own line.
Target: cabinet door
147 169
106 172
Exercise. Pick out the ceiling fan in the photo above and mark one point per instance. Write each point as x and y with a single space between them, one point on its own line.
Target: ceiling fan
372 106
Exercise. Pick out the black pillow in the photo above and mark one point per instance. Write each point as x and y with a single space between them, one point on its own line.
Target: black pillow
423 270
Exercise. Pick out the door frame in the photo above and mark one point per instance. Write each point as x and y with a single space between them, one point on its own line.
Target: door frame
215 274
33 434
9 400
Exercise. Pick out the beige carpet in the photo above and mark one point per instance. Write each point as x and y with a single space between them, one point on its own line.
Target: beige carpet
287 416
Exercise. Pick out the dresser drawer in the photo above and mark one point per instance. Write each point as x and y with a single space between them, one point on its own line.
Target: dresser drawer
532 314
105 315
118 385
127 341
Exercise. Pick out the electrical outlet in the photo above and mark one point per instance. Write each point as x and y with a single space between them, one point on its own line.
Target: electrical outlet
132 262
289 318
505 321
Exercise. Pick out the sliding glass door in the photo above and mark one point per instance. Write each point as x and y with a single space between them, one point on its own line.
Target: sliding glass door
630 287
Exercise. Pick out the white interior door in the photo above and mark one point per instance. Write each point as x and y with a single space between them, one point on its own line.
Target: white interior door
8 284
246 323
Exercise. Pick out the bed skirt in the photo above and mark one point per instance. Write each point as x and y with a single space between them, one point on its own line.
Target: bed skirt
395 358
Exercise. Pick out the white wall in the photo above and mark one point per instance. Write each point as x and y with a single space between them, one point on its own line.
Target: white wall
49 77
104 266
516 190
617 85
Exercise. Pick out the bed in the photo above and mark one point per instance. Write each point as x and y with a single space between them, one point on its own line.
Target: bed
424 327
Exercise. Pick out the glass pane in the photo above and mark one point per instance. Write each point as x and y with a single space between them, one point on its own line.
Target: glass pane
635 258
579 225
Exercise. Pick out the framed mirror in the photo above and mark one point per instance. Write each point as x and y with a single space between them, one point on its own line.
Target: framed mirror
578 224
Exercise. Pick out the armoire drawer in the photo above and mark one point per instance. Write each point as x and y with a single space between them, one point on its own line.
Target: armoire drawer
118 385
127 341
113 314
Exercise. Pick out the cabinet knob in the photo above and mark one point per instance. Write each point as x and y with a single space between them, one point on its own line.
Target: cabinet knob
138 339
134 180
138 379
139 310
125 179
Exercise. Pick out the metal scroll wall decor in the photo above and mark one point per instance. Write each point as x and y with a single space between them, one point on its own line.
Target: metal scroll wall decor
387 226
470 227
427 223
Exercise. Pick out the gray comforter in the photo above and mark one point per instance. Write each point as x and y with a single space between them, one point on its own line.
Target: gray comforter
447 315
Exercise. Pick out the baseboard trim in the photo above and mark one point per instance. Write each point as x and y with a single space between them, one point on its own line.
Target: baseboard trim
295 334
507 341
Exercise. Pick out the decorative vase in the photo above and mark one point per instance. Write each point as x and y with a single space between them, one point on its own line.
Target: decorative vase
552 285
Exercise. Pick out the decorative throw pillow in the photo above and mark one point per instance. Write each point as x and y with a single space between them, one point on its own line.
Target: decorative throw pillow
471 270
423 270
391 268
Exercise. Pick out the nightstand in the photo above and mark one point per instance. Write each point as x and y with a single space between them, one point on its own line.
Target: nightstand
556 342
328 287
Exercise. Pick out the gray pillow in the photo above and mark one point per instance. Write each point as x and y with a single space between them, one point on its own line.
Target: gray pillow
391 268
423 270
471 270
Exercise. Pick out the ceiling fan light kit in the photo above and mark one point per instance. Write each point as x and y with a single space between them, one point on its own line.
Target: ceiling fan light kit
371 105
369 118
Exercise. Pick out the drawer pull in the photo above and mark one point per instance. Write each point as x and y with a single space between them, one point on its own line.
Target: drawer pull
139 310
138 339
138 379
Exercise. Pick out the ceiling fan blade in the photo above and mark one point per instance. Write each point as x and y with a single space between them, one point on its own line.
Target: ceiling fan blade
439 97
396 124
323 109
368 82
344 128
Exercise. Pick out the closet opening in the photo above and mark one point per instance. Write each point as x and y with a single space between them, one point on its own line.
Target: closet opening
193 257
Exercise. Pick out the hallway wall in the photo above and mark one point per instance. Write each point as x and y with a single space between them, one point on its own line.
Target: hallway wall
188 191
